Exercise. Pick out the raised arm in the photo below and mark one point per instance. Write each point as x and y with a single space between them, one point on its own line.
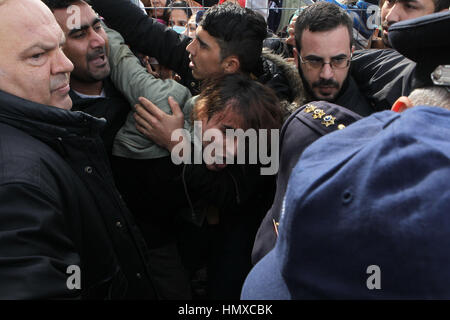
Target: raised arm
133 80
146 35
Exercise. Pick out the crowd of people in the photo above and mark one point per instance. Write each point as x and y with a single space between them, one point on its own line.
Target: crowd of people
177 150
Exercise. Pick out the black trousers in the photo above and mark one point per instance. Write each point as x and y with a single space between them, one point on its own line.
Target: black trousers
153 193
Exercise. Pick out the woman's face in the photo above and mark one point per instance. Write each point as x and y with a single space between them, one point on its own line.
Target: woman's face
191 27
215 138
158 8
178 17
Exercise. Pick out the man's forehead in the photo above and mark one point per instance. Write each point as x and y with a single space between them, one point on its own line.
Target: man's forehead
414 1
333 41
27 21
204 36
74 17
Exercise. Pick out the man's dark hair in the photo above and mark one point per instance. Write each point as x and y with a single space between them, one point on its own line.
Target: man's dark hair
441 5
319 17
257 104
59 4
238 31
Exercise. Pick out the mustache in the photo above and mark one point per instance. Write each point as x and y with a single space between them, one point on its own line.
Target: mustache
95 54
385 24
59 81
326 82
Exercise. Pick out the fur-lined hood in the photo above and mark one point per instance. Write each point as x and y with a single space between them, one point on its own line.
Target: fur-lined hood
284 79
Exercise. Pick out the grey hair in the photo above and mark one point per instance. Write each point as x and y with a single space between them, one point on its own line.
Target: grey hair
431 96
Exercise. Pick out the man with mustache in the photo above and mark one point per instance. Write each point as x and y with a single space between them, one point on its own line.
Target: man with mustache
323 53
65 231
323 38
87 47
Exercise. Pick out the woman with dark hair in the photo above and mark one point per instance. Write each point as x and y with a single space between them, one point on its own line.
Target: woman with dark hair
179 14
158 10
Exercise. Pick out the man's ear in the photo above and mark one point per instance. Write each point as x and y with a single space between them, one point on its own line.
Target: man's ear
231 64
295 52
353 49
402 104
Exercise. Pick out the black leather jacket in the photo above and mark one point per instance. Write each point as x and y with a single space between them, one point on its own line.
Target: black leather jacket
383 75
59 207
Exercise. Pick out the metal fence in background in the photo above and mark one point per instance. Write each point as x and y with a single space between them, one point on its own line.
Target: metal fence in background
365 19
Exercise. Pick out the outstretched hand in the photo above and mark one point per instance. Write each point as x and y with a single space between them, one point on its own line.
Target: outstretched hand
157 125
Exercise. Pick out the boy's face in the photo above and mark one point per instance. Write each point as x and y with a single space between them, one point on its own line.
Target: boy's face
204 52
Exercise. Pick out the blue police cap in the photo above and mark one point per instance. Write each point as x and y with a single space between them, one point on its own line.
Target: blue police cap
303 127
366 214
425 40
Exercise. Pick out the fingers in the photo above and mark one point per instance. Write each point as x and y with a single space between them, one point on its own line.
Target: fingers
150 108
149 68
176 110
141 129
147 64
143 118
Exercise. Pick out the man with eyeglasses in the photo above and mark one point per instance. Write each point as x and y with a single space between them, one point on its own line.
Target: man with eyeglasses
323 52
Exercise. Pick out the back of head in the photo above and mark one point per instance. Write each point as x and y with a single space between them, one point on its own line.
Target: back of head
238 31
320 17
431 96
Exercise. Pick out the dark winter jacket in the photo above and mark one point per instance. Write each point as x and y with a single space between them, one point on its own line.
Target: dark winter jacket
59 208
113 108
383 76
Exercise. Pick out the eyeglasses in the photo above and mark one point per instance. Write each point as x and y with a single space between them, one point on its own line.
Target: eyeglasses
335 63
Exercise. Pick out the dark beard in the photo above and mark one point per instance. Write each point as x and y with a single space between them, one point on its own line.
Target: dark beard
310 93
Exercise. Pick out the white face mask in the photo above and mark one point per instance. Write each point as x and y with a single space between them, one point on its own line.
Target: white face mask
179 29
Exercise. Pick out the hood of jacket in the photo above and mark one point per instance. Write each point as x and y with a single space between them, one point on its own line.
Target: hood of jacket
284 79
